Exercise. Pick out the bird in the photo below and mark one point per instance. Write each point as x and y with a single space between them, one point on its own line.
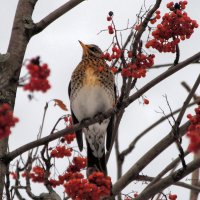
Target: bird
92 92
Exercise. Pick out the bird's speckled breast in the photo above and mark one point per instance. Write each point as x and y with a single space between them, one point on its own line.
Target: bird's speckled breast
90 78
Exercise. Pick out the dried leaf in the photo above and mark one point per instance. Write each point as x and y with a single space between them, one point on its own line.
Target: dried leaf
59 103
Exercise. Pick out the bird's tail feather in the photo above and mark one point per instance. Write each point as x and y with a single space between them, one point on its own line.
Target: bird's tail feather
94 163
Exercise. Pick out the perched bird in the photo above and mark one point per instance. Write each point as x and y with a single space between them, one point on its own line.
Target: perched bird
92 92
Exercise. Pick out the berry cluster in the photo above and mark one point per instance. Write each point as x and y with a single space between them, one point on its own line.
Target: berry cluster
7 120
194 131
37 174
38 76
157 16
78 163
69 137
139 68
175 26
72 172
61 151
116 54
95 187
110 27
65 177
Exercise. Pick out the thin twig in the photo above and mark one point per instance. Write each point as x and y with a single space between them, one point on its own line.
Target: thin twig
133 143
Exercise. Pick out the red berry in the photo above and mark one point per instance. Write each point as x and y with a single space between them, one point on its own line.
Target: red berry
146 101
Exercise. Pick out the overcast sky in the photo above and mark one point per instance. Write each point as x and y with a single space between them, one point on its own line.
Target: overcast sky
58 46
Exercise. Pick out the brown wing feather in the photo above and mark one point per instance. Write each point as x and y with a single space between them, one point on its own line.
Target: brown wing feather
79 135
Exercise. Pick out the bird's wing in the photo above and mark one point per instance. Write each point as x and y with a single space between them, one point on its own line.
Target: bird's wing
110 135
78 133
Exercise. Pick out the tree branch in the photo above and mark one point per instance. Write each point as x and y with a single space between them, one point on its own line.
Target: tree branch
134 171
186 102
181 184
163 76
40 26
133 143
169 180
144 25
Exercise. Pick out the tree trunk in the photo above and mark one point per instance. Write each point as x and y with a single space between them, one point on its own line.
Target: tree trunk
10 69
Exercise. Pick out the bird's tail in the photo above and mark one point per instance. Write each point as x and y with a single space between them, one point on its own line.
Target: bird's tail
94 163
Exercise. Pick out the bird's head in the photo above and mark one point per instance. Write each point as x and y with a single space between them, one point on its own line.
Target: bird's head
91 50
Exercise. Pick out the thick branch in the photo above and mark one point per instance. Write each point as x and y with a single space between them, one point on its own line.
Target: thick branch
170 64
134 171
163 76
186 102
169 180
181 184
40 26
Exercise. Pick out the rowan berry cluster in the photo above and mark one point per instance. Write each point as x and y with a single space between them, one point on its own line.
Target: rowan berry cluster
174 27
7 120
95 187
172 196
65 177
116 54
72 172
78 163
157 16
194 131
38 76
110 27
139 68
61 151
69 137
37 174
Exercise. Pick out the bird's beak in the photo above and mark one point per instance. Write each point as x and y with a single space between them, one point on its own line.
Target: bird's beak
84 47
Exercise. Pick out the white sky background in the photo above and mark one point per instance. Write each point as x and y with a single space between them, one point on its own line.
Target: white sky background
58 46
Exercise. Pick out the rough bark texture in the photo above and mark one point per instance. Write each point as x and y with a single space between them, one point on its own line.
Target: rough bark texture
195 180
10 69
10 66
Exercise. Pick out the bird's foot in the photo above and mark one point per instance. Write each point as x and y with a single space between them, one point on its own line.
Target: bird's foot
101 116
84 120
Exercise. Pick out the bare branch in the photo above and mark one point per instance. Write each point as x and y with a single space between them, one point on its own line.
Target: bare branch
179 119
169 180
133 143
166 169
143 26
170 64
195 180
185 104
134 171
181 184
163 76
40 26
187 87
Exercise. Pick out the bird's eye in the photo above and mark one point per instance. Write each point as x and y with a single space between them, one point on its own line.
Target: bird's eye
93 49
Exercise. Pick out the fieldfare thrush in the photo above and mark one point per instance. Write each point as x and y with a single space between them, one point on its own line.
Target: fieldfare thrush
92 92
